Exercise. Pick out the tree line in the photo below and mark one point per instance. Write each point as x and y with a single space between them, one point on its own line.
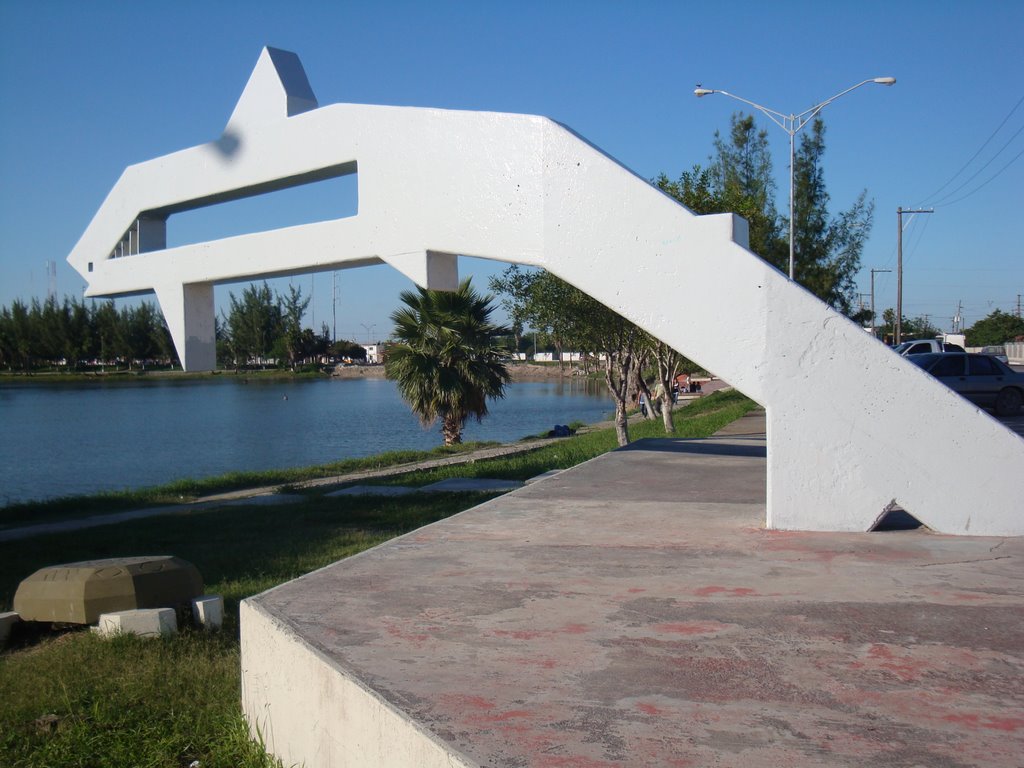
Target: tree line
260 328
78 336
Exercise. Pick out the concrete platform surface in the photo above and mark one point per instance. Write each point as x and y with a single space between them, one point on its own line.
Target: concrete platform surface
633 611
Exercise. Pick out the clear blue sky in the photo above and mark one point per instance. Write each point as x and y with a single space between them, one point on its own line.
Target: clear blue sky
89 88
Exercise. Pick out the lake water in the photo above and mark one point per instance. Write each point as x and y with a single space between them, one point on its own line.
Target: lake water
57 440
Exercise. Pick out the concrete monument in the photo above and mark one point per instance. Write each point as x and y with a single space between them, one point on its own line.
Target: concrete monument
79 593
852 428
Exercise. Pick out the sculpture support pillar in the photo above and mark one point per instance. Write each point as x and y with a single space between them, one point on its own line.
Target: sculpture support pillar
189 312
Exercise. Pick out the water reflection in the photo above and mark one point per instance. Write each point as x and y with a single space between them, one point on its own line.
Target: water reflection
81 438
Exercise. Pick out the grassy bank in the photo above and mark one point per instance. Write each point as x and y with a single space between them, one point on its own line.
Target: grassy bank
189 489
73 700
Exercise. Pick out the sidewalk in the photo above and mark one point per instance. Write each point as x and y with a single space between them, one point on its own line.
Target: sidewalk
634 611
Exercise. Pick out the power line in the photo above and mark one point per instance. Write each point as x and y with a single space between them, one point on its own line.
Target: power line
987 181
975 155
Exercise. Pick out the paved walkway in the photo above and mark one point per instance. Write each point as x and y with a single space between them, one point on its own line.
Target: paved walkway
633 611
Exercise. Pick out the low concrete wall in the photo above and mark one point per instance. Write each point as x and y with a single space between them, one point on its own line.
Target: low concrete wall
1015 353
306 711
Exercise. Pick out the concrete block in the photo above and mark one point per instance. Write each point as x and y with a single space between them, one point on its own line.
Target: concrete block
145 622
7 621
208 611
79 593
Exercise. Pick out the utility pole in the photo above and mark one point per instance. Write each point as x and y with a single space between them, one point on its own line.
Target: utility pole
899 267
873 271
1018 306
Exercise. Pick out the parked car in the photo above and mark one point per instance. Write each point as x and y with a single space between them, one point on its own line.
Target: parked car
998 352
982 379
924 346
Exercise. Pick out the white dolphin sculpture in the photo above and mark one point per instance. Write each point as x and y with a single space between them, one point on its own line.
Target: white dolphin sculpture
852 428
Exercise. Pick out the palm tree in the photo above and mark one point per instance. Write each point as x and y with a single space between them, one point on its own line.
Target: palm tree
446 361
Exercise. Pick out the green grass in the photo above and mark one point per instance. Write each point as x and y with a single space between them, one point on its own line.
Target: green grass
169 702
699 419
188 489
76 700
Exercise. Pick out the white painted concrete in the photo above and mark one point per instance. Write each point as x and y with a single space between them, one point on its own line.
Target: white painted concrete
851 427
307 711
208 611
145 622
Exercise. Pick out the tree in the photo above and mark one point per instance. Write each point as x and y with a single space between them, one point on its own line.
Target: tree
344 348
741 182
253 324
570 317
292 308
826 251
105 321
911 328
998 328
446 361
139 333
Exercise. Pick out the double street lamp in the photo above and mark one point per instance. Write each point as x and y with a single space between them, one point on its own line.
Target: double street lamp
792 124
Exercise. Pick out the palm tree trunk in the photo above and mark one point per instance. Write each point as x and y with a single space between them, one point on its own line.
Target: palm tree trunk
451 430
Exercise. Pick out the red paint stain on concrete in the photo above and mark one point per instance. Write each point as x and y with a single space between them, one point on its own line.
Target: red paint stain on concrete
691 628
968 596
575 629
727 591
529 661
499 717
1008 724
903 666
634 590
476 702
402 634
572 761
520 634
649 709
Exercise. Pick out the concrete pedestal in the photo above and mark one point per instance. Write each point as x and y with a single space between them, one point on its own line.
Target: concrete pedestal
634 611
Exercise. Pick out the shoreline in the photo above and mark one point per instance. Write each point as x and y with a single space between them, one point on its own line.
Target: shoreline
519 372
213 499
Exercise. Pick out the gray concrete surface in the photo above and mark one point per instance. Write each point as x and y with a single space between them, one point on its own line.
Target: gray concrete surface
633 611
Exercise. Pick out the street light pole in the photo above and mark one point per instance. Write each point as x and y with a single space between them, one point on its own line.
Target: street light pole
793 124
873 271
899 268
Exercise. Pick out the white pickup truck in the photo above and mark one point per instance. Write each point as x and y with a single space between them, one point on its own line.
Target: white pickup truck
923 346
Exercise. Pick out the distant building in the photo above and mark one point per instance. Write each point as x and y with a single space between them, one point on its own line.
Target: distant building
374 353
